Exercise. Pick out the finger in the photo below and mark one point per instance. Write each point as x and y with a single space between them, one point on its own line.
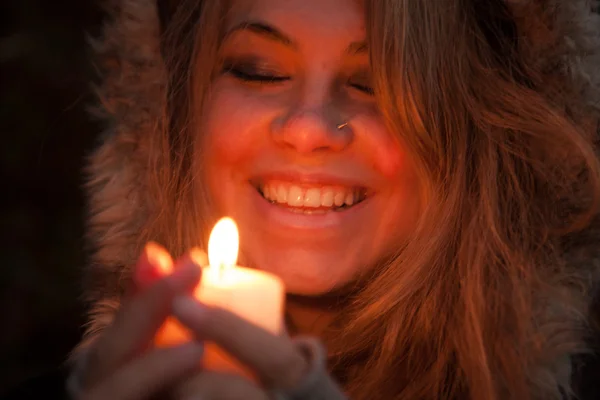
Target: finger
211 385
149 374
275 359
137 322
154 264
199 256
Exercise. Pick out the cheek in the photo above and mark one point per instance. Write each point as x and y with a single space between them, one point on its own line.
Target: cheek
234 132
401 188
228 126
224 143
385 151
392 160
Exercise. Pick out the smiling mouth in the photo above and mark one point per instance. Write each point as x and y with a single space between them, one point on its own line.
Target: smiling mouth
311 199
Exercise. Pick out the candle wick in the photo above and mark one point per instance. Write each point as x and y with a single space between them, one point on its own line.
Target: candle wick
221 270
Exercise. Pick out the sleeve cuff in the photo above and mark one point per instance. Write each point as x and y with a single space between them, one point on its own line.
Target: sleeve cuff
317 384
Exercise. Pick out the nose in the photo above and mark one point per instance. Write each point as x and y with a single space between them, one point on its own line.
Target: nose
307 131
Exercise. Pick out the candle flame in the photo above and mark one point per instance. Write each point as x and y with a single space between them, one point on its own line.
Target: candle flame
223 244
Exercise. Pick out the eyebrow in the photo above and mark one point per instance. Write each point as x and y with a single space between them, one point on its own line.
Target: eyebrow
272 33
263 29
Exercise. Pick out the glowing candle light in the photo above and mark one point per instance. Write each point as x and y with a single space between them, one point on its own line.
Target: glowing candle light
256 296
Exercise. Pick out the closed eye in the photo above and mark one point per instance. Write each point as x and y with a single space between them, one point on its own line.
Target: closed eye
254 74
362 81
363 88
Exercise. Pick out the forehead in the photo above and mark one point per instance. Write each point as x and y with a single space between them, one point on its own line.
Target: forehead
310 18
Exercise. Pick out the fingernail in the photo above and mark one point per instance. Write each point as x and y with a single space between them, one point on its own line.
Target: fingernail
186 307
153 264
198 256
159 258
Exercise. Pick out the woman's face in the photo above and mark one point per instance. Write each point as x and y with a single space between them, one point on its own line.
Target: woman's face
295 149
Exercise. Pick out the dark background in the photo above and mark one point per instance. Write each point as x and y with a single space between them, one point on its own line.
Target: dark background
45 75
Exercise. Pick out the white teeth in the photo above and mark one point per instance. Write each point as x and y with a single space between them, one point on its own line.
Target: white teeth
295 196
349 199
327 197
312 197
339 198
282 194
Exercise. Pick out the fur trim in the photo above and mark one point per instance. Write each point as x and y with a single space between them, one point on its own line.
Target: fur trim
561 37
131 94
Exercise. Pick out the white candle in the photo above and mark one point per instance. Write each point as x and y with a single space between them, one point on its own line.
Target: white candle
254 295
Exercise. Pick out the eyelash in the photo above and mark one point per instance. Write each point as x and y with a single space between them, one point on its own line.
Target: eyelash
365 89
240 72
237 71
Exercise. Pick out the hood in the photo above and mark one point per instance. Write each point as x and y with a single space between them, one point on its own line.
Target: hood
559 34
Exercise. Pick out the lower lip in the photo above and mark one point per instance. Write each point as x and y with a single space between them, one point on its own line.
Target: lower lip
279 215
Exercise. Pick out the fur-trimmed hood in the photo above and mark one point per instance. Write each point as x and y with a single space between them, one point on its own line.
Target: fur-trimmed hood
559 34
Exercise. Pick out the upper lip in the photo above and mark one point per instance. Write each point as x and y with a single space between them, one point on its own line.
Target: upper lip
317 179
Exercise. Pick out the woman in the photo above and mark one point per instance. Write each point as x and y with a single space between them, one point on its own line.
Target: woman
421 175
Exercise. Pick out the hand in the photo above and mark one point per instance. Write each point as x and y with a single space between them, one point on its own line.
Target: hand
280 364
121 365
